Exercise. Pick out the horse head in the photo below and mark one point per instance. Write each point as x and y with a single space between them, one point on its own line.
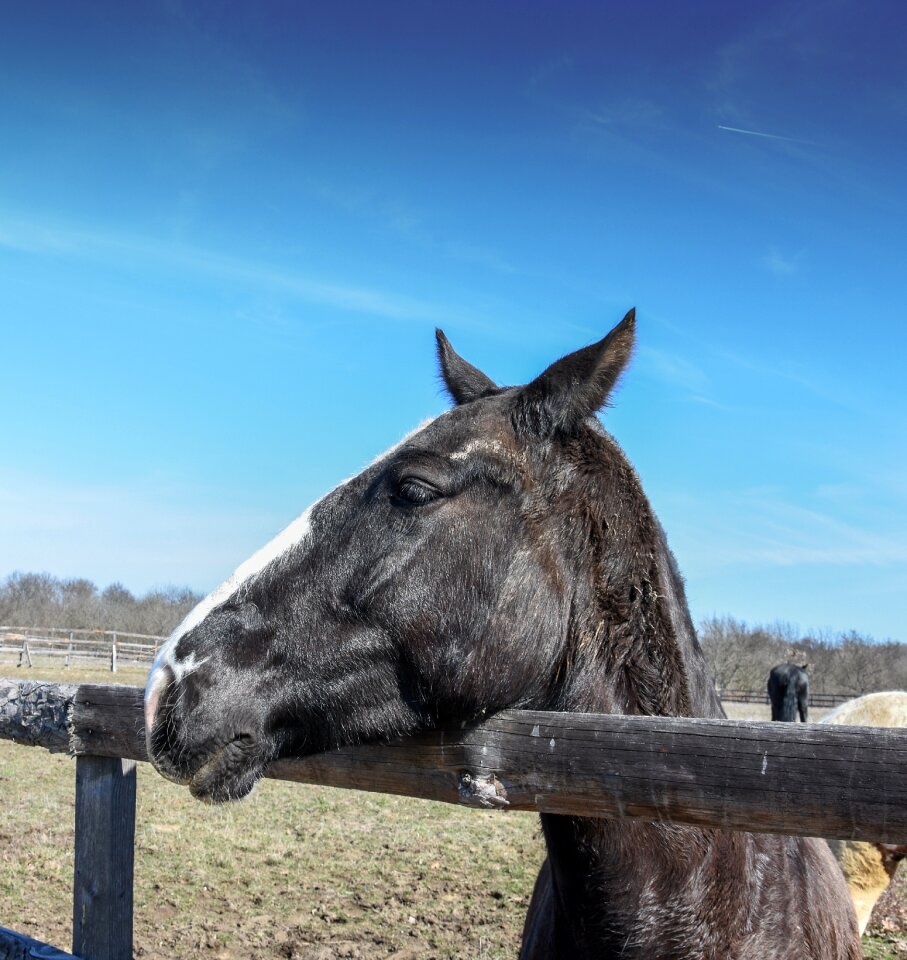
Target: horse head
450 579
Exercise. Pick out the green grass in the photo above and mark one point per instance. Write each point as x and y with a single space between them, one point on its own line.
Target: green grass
78 673
884 947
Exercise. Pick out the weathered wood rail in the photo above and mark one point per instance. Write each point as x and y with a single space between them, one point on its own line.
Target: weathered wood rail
800 779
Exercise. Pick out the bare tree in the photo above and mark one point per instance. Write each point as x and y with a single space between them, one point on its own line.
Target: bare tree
741 656
41 600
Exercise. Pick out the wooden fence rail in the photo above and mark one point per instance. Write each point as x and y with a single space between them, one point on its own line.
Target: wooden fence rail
25 645
761 696
81 631
803 779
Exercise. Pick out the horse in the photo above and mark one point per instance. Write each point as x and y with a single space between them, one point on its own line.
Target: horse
788 691
503 555
869 867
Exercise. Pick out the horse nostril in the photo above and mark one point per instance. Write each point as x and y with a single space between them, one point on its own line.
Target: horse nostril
158 682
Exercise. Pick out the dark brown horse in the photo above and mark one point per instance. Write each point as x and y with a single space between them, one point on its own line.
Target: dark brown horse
788 692
503 555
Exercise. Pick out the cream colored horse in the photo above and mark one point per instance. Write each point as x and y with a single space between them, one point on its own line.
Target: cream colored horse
869 867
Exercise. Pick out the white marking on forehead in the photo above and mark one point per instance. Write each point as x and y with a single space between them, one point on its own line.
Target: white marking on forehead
292 536
481 446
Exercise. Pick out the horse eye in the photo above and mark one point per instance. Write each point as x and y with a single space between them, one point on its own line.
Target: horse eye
417 492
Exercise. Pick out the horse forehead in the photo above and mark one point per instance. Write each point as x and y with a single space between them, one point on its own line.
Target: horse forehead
479 428
478 446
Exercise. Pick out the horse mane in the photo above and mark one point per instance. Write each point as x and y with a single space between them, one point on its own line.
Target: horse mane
631 645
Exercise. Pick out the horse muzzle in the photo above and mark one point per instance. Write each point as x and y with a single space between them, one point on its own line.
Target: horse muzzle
219 754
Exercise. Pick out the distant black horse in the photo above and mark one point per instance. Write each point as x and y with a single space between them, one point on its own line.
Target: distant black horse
788 690
503 555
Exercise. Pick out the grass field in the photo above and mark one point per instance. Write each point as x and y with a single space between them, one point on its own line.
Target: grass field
294 872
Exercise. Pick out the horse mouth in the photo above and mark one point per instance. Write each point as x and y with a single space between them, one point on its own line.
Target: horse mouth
229 773
226 772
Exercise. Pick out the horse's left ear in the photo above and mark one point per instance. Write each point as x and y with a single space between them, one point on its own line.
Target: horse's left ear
464 382
576 386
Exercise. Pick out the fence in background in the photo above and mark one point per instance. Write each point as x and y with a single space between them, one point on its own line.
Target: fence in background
761 696
25 645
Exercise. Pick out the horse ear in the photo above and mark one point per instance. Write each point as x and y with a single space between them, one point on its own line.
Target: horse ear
464 382
804 666
576 386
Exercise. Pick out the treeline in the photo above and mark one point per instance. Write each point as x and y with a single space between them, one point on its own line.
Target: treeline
741 656
40 600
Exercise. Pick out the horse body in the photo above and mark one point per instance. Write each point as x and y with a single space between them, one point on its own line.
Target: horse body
869 867
885 708
504 555
661 892
788 691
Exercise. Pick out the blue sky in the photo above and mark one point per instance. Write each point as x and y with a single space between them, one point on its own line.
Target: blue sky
227 232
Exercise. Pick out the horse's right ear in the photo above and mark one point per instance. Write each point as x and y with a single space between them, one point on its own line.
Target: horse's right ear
464 382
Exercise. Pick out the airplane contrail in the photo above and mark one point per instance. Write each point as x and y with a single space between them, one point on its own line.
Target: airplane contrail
756 133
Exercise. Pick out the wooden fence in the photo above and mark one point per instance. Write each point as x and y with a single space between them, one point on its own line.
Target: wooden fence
798 779
25 645
761 696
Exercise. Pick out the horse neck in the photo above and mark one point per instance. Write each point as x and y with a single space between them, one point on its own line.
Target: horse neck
631 647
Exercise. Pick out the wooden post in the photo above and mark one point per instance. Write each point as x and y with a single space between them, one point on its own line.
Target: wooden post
25 653
105 851
68 659
113 655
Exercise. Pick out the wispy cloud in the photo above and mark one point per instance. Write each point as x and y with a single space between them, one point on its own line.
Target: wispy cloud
673 369
66 240
143 534
772 368
559 86
759 133
783 265
627 111
761 527
406 221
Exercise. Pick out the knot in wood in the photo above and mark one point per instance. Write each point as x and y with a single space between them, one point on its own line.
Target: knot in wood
481 790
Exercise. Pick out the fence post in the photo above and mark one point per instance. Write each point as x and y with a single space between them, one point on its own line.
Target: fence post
26 653
104 857
68 659
113 654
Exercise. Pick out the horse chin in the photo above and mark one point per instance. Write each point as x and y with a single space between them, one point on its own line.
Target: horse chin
226 790
229 774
